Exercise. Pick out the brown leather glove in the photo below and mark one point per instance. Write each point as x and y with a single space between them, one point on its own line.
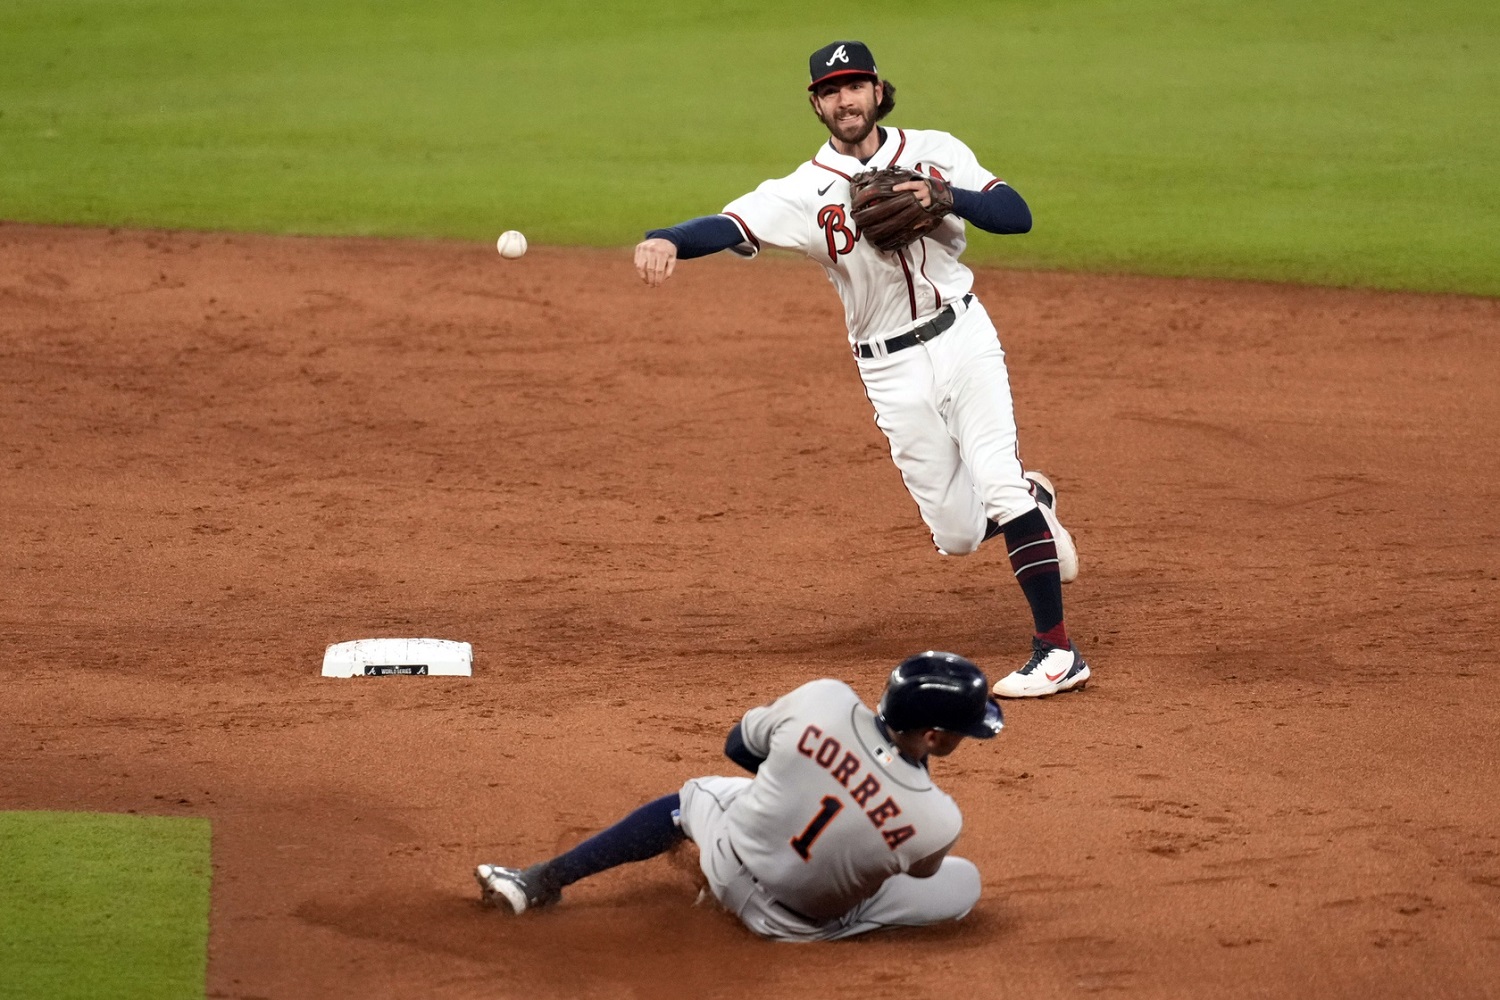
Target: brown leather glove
889 219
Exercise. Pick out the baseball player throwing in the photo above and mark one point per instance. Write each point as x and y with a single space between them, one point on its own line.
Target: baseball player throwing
839 832
883 211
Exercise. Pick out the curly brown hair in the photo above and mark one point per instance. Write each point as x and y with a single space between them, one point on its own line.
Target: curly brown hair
887 100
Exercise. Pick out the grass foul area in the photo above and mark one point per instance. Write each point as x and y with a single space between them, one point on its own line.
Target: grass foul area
1333 142
95 905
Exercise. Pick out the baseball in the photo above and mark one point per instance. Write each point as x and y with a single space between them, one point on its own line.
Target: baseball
511 244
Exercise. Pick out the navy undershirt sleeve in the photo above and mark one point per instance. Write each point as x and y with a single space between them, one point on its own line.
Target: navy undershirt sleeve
702 236
999 210
736 750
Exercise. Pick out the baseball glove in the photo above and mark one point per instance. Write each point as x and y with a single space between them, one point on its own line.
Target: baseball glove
889 219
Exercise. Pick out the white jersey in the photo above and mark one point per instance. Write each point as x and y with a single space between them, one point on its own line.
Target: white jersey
808 211
835 810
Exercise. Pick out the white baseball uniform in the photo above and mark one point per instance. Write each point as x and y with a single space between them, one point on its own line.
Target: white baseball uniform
816 845
944 404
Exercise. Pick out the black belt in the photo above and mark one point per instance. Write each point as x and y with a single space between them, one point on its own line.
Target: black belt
917 335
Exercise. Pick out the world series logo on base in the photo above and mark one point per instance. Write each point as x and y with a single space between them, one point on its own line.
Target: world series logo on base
401 657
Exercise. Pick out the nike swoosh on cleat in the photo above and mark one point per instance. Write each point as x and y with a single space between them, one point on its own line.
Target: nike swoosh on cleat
825 190
1053 679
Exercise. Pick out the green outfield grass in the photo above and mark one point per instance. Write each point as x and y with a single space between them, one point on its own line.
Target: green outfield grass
1328 141
96 905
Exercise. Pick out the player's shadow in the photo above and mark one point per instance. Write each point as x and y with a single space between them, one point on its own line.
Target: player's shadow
648 939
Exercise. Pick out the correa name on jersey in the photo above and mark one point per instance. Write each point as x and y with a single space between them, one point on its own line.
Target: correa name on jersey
827 751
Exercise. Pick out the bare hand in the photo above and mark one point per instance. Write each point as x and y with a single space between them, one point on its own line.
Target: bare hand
655 260
920 188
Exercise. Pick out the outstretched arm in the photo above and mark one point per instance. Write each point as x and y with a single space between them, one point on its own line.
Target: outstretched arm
656 256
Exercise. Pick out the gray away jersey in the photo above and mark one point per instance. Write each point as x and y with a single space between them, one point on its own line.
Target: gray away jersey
835 809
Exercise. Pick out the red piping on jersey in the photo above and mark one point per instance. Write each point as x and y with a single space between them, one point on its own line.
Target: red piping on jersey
911 289
992 184
900 148
829 169
753 241
937 297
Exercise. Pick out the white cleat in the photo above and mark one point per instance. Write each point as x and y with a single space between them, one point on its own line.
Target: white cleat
1051 669
1067 552
512 888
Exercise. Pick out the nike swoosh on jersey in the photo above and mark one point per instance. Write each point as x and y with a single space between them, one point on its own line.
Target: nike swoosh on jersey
825 190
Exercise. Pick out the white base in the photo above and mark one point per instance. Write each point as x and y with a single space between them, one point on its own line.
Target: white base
375 657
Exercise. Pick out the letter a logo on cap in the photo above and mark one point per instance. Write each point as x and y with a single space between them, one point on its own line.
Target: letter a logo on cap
840 59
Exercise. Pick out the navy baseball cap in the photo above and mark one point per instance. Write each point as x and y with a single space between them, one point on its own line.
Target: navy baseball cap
841 59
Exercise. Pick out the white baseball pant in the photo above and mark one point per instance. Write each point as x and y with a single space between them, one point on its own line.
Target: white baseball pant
946 408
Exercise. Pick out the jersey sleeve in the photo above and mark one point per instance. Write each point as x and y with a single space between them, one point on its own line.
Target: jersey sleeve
968 172
771 215
760 724
942 826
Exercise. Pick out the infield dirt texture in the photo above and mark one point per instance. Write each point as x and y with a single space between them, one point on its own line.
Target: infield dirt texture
651 510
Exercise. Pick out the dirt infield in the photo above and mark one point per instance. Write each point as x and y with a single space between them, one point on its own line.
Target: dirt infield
649 510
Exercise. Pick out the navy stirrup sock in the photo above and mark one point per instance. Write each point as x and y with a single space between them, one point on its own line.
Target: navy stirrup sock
1033 557
645 833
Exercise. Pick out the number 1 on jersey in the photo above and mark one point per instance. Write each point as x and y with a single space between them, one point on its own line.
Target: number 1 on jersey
802 843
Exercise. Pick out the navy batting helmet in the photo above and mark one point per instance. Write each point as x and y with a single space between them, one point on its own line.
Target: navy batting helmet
935 690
